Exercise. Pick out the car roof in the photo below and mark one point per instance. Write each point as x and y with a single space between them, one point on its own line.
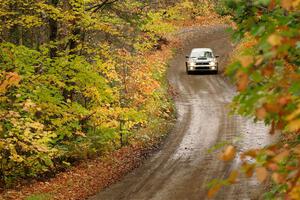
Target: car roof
201 49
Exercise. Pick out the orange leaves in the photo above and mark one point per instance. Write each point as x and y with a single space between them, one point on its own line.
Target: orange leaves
232 178
272 5
267 71
242 81
295 193
272 107
228 154
10 79
212 191
290 4
281 156
261 173
246 60
273 166
278 178
284 100
261 113
241 76
286 4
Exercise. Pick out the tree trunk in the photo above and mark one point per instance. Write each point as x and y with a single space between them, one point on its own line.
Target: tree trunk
53 26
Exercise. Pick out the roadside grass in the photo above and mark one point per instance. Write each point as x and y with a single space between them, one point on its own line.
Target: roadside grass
43 196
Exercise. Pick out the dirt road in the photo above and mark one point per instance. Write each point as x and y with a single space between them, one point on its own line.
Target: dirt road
181 170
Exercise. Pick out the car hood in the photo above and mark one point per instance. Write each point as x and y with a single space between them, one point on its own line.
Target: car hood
202 59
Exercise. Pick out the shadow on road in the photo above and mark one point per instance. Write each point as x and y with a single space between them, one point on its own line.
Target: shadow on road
203 73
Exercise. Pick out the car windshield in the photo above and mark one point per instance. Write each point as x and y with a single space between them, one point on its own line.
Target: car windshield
201 54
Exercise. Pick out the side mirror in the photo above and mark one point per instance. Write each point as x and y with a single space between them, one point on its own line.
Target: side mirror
217 56
187 56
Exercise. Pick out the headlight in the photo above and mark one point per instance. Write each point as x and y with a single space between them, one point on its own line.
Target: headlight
192 64
212 63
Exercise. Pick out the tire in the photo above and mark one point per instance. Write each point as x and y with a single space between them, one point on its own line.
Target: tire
187 71
217 70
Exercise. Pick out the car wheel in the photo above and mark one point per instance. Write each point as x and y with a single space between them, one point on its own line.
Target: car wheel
187 71
217 70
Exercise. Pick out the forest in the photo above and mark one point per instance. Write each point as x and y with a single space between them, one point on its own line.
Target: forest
78 79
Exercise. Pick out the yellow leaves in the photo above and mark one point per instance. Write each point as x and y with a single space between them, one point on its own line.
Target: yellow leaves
80 133
295 192
30 21
9 79
295 114
296 149
233 176
259 60
2 145
275 39
294 125
261 174
218 185
294 120
28 105
228 154
35 125
16 158
41 148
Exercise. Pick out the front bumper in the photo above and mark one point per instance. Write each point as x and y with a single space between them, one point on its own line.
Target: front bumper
202 68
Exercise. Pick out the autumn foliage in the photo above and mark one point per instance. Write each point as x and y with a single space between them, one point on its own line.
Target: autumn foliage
79 79
267 74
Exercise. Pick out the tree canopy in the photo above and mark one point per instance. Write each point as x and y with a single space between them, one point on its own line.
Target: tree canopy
75 81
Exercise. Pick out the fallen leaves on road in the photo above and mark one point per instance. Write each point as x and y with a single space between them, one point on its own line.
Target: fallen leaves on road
228 154
85 179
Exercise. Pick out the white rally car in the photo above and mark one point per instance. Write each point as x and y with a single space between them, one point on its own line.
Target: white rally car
201 59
